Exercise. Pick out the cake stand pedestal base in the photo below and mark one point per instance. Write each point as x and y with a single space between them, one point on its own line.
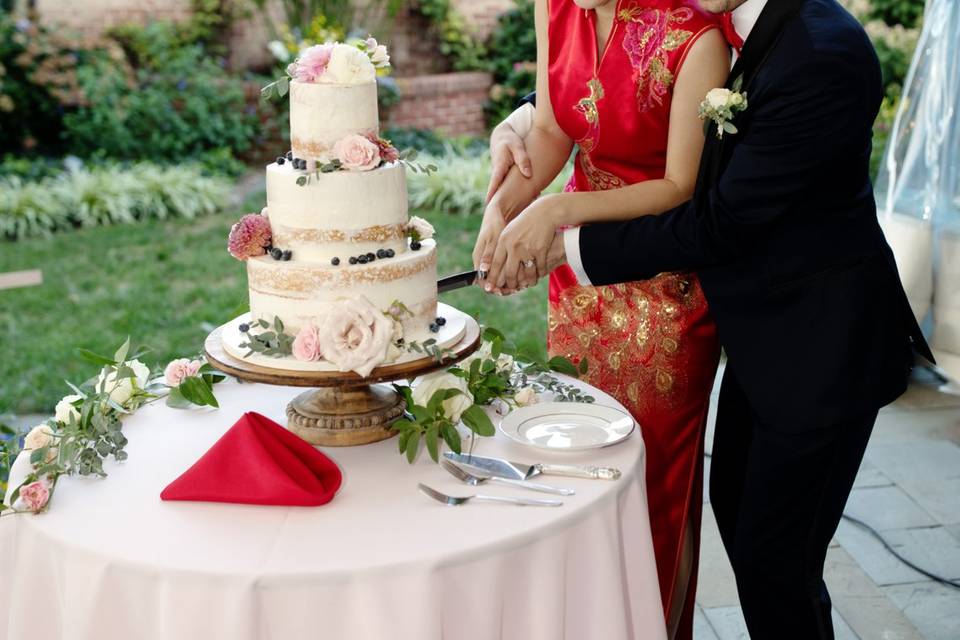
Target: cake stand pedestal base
343 417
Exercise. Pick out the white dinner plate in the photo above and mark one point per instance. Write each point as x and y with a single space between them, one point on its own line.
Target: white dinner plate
567 426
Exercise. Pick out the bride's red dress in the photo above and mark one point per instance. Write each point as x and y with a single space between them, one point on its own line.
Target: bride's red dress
650 344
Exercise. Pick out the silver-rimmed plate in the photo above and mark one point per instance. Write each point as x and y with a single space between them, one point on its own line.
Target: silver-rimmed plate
567 426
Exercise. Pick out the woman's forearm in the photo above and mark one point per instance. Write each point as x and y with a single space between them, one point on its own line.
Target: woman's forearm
548 150
647 198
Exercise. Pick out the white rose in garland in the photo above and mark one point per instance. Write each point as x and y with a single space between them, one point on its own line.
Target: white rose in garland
65 409
122 390
39 437
453 408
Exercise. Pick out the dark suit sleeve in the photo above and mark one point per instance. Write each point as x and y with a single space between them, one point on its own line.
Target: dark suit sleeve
530 98
823 107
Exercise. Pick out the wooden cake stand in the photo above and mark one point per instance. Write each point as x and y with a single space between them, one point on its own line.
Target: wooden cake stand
342 409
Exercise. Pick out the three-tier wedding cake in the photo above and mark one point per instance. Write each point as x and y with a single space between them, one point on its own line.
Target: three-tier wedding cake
340 277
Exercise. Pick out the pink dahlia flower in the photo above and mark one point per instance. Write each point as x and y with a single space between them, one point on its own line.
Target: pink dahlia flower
388 152
312 63
249 237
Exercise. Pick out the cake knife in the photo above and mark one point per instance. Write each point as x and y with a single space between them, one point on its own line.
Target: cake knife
456 281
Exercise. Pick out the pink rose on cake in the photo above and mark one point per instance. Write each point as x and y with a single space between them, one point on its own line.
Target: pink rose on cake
179 370
312 63
306 346
355 335
250 237
357 153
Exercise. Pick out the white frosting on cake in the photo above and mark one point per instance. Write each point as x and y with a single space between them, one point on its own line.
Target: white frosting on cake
338 214
301 292
322 114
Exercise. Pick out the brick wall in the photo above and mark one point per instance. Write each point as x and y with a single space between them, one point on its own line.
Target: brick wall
94 16
449 102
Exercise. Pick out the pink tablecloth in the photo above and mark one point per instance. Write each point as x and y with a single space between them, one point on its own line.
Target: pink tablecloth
111 561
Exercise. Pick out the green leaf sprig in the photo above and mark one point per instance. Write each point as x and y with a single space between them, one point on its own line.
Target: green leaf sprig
430 424
272 342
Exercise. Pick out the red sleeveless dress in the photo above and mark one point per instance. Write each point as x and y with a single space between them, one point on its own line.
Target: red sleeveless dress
650 344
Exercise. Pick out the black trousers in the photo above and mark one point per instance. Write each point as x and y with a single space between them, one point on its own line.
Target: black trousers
778 497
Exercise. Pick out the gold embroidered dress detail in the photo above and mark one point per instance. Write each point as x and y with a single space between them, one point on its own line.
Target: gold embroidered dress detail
650 344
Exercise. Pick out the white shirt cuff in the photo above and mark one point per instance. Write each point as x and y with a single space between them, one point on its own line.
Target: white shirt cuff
571 244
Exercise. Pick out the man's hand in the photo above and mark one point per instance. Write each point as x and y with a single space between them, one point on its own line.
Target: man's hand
507 148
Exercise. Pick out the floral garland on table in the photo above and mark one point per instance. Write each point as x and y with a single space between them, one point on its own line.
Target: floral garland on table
86 428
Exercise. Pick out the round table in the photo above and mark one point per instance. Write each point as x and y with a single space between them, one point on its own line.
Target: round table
110 560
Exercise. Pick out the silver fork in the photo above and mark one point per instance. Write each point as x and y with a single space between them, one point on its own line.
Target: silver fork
473 480
455 501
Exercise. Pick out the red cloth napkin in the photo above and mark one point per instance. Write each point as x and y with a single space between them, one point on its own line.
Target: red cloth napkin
259 462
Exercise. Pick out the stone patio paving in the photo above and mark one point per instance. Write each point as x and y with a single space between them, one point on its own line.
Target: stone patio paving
908 489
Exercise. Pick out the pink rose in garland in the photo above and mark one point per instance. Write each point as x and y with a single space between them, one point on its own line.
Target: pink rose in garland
179 370
306 346
250 237
35 495
388 152
311 64
357 153
355 336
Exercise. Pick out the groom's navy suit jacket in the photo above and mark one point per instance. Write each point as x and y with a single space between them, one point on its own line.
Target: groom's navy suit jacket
782 230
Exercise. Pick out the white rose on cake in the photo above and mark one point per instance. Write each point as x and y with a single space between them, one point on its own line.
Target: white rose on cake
121 390
424 388
349 65
419 228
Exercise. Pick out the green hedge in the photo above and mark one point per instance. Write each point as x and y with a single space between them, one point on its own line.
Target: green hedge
106 195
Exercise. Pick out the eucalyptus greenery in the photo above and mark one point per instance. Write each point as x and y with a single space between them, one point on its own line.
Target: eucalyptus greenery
92 432
273 341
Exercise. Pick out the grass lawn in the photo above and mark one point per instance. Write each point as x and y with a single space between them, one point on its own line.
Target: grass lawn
167 284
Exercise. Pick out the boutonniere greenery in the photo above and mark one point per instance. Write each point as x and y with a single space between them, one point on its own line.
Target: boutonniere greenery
721 105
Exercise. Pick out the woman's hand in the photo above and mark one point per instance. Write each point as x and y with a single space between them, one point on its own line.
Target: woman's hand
490 230
520 258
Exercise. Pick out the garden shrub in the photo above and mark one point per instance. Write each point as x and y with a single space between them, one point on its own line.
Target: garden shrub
179 103
107 195
513 55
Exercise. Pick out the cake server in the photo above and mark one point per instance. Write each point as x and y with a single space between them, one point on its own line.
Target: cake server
521 471
456 281
475 476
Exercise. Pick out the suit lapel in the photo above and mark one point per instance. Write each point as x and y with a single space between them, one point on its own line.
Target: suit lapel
758 45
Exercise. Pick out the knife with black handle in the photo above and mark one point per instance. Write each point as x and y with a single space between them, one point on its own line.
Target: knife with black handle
456 281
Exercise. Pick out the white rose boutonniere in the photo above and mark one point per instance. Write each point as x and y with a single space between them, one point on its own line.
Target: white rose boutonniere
721 105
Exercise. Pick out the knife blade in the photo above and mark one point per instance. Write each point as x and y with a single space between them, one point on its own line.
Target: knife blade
521 471
456 281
